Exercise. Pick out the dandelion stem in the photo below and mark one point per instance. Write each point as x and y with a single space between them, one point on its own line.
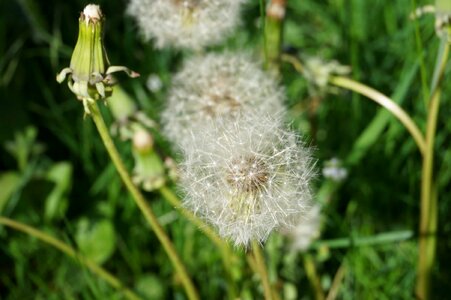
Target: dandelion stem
226 253
261 268
374 95
428 212
142 204
174 201
275 15
69 251
313 277
263 24
333 291
385 102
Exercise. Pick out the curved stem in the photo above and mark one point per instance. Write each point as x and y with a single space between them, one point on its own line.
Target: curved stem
372 94
261 268
385 102
69 251
428 213
174 201
142 204
226 253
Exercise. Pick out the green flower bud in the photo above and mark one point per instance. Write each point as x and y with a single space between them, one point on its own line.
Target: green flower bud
89 76
149 172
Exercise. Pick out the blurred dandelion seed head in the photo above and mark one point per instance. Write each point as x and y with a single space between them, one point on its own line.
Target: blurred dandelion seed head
218 86
317 72
306 229
247 177
185 23
334 170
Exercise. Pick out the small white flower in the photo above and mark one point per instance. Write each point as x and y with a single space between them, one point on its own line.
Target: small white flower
247 177
186 23
306 230
218 85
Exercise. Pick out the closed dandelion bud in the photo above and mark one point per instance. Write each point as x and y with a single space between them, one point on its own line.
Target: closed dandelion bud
218 86
89 74
247 178
149 170
142 141
191 24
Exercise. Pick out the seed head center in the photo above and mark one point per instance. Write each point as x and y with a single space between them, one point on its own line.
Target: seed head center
248 174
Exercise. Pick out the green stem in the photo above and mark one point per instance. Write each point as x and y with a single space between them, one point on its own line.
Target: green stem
142 204
374 95
261 268
275 14
313 277
428 213
226 253
263 24
419 46
385 102
174 201
66 249
378 239
333 291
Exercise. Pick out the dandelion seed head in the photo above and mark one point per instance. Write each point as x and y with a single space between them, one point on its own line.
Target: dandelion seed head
185 23
247 177
218 86
306 229
154 83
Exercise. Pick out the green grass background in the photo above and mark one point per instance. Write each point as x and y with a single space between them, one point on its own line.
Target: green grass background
56 175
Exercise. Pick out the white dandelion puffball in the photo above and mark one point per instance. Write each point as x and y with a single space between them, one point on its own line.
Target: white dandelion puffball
247 178
218 85
189 24
306 229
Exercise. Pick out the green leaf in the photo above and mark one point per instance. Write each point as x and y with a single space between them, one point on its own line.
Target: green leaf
150 287
96 240
8 184
56 203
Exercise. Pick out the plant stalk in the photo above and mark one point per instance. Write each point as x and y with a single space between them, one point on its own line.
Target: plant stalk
429 197
142 204
226 253
275 15
69 251
385 102
374 95
261 268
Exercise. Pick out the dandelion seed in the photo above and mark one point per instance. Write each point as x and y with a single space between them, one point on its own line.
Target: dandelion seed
185 23
218 86
247 178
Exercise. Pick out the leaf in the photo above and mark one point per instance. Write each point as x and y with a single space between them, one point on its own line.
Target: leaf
8 184
96 240
150 287
56 203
